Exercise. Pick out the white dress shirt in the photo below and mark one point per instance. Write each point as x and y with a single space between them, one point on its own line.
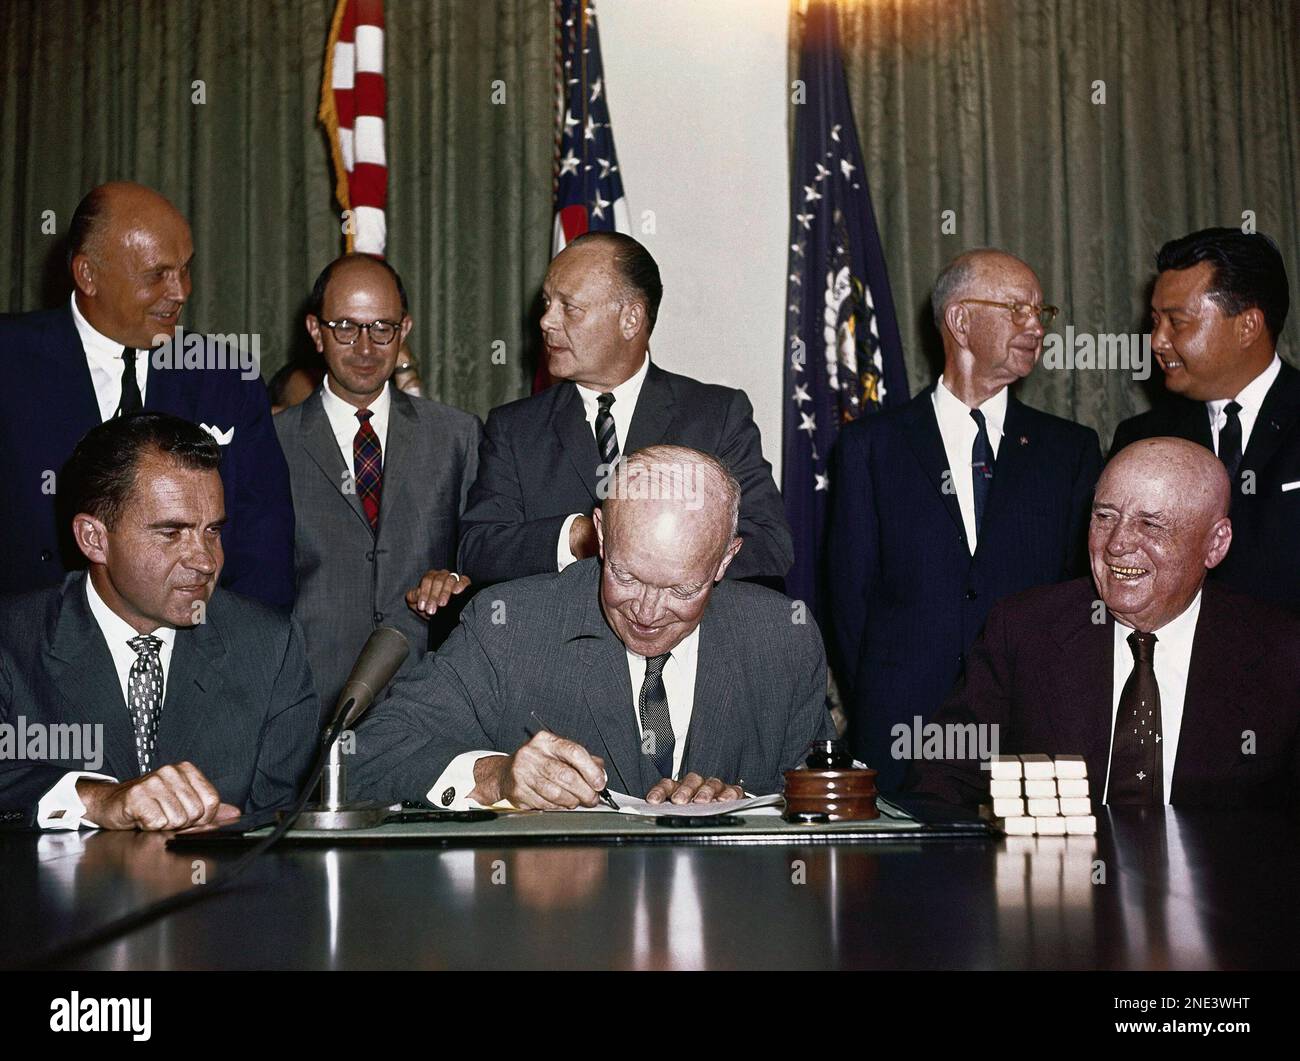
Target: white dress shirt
625 399
61 807
1173 658
105 360
457 781
345 425
959 431
1250 399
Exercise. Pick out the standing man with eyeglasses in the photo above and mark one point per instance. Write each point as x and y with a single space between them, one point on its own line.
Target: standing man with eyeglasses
947 504
379 478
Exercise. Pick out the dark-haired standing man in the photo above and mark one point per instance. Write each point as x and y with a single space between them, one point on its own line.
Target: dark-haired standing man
1220 301
130 252
379 479
545 461
159 700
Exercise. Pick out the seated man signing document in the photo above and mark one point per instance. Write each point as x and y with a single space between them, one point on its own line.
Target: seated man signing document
638 671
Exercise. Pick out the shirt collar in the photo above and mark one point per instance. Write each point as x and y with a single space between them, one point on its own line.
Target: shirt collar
337 407
93 341
1253 393
115 629
950 406
625 394
1176 635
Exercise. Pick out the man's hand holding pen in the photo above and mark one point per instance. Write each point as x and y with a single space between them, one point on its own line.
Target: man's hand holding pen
547 773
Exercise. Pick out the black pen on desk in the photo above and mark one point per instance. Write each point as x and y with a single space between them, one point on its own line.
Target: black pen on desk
604 795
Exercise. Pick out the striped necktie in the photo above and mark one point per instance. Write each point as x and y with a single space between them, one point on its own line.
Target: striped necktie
606 436
656 722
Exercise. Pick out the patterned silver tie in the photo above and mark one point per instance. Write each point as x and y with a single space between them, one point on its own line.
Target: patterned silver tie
144 696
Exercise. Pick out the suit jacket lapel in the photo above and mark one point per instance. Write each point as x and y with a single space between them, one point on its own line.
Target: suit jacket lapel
921 427
1082 715
83 671
1276 418
323 448
402 422
73 404
715 725
1015 452
575 435
190 696
654 412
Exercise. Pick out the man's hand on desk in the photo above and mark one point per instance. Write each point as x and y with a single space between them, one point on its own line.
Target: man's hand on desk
171 797
435 591
582 538
693 789
547 773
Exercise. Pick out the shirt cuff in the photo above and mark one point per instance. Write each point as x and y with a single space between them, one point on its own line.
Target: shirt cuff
61 807
563 556
451 790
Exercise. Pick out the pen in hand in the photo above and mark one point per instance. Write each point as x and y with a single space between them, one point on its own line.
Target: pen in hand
604 795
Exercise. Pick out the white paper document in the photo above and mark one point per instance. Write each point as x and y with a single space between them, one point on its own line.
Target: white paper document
632 805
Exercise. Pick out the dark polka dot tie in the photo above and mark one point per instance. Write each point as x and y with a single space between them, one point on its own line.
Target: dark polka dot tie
144 696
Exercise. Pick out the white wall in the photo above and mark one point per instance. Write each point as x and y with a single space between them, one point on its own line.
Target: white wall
697 97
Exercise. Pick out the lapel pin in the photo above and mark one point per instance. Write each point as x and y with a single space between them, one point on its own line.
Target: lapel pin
1024 440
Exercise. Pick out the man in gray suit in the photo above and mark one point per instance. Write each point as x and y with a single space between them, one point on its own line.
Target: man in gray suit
544 457
659 679
379 478
137 695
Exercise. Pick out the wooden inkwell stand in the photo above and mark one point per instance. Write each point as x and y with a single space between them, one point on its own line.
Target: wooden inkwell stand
830 789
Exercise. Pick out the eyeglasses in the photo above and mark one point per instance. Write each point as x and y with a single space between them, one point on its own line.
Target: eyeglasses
348 332
1021 312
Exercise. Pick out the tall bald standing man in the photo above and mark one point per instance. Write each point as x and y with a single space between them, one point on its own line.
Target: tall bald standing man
642 670
947 504
544 457
1172 688
130 254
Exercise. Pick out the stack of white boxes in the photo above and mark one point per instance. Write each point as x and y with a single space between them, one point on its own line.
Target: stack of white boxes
1036 795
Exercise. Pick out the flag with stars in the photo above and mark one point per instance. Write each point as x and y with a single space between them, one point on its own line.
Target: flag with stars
843 357
588 185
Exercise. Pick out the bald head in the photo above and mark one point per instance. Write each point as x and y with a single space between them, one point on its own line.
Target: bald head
130 253
667 532
1159 523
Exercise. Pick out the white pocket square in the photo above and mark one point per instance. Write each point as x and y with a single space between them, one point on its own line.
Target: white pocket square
223 437
1291 486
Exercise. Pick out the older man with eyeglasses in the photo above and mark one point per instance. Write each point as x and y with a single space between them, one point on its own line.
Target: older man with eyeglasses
379 479
945 505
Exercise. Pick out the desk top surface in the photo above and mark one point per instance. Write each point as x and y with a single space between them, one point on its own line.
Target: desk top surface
1176 890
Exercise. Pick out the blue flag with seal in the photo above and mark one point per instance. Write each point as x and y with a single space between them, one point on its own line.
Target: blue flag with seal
843 356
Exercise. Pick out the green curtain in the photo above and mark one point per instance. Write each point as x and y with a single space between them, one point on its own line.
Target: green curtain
985 107
93 90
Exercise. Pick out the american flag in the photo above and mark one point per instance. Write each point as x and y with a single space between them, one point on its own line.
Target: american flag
843 357
352 109
588 187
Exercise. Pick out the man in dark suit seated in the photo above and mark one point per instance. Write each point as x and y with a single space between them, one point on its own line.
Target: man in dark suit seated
148 697
947 504
379 479
1172 688
109 352
546 458
1219 304
660 680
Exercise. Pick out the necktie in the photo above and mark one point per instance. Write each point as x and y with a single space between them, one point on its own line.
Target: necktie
144 694
130 402
1230 441
981 466
1136 755
655 720
606 436
368 467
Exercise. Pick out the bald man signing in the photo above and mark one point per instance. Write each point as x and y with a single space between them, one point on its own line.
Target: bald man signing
638 670
1173 689
103 355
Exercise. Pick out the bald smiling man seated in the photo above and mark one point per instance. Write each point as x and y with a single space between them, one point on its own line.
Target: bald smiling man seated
1173 689
637 670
